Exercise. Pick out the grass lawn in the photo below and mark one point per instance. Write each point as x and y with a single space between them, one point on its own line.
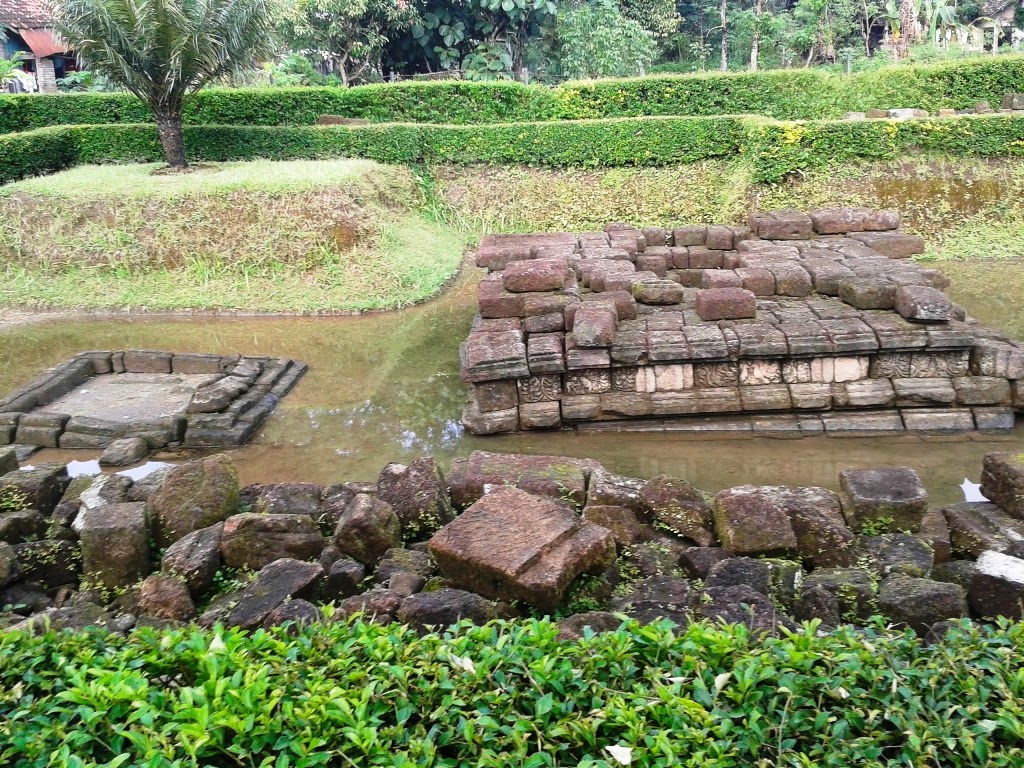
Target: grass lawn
299 236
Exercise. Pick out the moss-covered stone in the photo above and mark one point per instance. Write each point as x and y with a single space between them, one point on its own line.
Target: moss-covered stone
679 508
195 495
1002 482
920 603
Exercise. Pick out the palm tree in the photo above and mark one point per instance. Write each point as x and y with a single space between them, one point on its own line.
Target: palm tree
165 50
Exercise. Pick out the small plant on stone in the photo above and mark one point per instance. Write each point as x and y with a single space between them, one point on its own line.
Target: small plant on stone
13 499
227 580
878 526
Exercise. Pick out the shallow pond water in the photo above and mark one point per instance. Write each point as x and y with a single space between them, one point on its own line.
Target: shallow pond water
386 388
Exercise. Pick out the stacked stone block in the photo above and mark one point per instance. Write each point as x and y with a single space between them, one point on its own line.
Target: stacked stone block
809 322
224 412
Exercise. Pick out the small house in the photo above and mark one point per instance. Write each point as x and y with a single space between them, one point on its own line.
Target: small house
26 28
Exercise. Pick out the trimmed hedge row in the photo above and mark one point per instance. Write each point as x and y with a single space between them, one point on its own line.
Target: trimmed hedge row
348 693
805 94
446 102
781 94
774 149
780 149
584 143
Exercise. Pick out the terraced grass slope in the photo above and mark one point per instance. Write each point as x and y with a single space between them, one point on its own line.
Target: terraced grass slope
299 236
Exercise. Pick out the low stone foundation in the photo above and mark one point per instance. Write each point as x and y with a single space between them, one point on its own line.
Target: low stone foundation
167 399
794 323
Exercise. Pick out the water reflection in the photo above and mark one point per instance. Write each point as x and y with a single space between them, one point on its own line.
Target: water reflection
386 388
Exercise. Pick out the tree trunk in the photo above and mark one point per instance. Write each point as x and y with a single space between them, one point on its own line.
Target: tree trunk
867 29
724 60
908 17
172 138
755 41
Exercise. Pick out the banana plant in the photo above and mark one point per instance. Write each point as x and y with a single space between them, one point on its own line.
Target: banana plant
8 67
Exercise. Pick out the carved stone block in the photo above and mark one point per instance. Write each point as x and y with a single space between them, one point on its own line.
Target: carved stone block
715 375
796 371
892 365
756 372
539 389
926 365
588 382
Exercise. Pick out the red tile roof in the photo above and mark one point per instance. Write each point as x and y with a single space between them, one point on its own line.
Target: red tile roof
25 14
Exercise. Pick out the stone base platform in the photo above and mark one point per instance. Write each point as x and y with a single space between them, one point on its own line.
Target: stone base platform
192 400
865 423
816 320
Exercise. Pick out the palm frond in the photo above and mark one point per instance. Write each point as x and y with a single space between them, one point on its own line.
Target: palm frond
162 50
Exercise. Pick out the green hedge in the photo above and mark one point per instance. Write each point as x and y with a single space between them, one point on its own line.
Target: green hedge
803 94
781 94
512 694
774 149
777 150
36 153
451 102
649 141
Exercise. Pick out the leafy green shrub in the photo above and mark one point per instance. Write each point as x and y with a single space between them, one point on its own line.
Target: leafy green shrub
783 94
35 153
777 150
806 94
437 102
774 149
511 694
656 141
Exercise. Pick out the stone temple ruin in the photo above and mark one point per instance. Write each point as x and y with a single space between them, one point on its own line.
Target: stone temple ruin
797 323
166 399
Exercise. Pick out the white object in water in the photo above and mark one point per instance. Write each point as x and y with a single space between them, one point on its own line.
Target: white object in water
972 491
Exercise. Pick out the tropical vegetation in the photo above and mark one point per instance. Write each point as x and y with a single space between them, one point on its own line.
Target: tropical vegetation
162 52
347 693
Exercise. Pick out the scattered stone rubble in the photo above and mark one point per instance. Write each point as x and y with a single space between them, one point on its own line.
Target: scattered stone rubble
797 323
502 536
1013 104
236 395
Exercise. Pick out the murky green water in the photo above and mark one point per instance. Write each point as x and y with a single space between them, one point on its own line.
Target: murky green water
386 388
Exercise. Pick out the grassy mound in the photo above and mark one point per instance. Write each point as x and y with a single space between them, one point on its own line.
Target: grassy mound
965 208
512 694
270 236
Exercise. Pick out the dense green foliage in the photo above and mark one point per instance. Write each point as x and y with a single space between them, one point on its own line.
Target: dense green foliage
780 149
597 40
784 95
774 149
808 94
583 143
36 152
512 695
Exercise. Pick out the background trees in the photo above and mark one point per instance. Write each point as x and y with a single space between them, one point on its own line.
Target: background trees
348 42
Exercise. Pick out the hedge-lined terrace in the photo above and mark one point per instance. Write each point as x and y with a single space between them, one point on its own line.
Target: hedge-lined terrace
804 94
774 149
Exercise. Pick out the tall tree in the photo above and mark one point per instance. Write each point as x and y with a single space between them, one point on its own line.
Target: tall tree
755 40
350 35
162 51
724 50
597 40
